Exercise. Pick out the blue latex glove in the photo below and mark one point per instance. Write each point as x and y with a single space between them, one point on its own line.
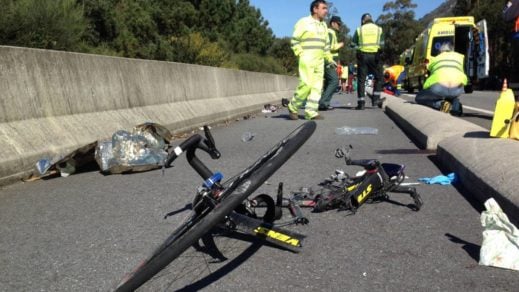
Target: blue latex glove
440 179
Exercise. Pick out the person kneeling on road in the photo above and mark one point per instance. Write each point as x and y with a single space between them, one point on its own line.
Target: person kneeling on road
393 78
445 83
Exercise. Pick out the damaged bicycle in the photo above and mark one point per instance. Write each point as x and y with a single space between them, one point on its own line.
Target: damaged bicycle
218 203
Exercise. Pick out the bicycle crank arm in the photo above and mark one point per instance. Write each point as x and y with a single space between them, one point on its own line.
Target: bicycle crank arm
284 238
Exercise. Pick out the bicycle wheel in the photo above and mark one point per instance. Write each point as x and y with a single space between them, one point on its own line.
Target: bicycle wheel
237 189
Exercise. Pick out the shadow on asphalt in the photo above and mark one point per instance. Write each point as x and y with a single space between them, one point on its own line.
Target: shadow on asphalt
232 264
405 151
478 206
479 116
477 134
470 248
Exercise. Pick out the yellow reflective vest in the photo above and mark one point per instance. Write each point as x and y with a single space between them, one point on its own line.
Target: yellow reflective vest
334 45
310 40
446 67
370 38
394 72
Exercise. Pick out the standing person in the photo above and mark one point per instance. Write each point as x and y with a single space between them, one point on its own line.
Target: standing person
368 39
311 45
344 79
446 82
352 70
331 78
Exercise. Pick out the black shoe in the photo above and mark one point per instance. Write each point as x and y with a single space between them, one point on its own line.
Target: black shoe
360 105
459 112
326 108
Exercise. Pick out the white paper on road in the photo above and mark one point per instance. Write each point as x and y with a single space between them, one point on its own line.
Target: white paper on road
500 246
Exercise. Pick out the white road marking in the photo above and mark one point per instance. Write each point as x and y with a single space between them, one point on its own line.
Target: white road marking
478 110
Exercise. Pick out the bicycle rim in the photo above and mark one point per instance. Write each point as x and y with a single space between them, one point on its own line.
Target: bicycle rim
238 189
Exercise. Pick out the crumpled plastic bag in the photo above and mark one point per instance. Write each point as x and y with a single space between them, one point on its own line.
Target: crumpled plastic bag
440 179
143 149
500 246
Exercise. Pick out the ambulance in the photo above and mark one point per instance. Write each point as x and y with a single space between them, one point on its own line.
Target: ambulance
467 38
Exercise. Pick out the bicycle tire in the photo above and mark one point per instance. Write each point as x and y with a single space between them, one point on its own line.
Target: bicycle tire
239 188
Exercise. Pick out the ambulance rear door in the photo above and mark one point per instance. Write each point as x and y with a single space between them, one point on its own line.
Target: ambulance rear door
481 46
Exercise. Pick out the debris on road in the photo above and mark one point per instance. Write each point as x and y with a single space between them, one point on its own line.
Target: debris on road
356 131
269 108
247 136
440 179
143 149
500 247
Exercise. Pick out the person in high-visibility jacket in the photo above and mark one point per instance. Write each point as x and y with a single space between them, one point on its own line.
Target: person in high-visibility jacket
368 39
331 79
393 78
311 45
445 83
344 79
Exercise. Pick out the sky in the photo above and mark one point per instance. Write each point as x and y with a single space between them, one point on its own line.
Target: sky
283 14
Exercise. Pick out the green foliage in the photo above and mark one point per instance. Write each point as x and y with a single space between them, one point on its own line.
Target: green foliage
281 50
400 28
46 24
196 49
228 33
253 62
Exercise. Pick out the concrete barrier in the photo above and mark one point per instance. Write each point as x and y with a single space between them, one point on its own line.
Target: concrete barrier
486 167
426 126
52 102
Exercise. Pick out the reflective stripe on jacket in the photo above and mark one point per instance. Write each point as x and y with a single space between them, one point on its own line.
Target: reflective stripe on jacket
310 39
370 38
446 67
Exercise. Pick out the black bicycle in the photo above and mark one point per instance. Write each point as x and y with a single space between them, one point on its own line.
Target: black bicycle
215 201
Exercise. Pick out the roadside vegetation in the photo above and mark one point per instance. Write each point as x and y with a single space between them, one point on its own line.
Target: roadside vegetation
223 33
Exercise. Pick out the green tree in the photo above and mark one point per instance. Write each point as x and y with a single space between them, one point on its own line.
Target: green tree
400 28
281 50
46 24
196 49
249 31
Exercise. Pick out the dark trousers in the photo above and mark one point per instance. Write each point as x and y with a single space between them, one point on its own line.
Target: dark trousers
331 81
368 63
434 95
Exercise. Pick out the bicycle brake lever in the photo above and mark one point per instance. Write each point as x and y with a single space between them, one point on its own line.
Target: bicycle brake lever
213 152
209 137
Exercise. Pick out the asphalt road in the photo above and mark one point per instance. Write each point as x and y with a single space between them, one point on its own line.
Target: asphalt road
478 107
84 232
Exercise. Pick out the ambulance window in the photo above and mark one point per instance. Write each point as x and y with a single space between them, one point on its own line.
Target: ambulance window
438 42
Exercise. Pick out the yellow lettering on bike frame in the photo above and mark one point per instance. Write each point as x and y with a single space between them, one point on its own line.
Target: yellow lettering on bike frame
277 235
364 194
352 187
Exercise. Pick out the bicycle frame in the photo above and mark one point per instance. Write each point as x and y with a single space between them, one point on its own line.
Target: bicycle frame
373 185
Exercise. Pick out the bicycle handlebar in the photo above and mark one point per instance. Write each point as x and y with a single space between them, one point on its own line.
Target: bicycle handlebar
190 145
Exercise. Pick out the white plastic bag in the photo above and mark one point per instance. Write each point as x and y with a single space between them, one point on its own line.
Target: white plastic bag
500 246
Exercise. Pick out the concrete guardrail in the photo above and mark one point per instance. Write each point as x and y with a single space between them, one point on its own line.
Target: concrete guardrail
53 102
